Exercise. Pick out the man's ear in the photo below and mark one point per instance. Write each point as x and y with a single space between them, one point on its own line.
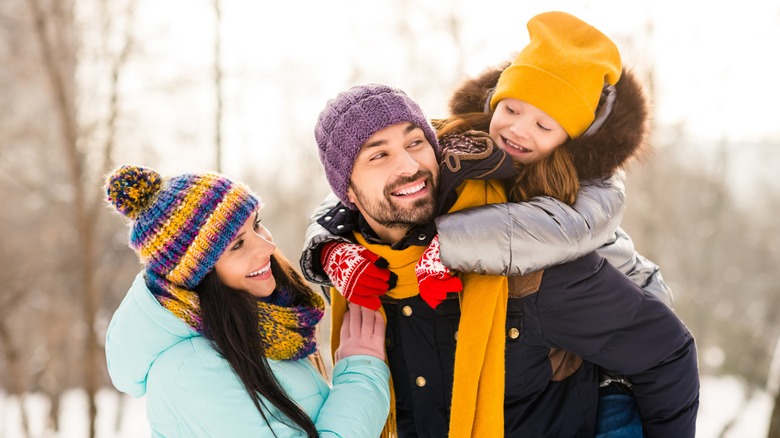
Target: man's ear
351 195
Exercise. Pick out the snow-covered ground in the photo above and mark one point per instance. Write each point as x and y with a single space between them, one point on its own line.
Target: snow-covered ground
722 398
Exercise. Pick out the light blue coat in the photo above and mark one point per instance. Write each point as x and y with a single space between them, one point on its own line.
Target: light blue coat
191 391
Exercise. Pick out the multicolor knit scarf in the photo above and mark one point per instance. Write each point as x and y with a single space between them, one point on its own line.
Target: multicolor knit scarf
287 320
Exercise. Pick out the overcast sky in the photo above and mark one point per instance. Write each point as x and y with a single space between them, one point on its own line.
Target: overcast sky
715 68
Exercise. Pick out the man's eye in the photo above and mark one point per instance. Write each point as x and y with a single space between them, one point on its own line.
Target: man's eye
377 156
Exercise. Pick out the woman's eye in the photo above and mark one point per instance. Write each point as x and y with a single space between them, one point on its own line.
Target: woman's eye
415 143
236 246
258 224
543 128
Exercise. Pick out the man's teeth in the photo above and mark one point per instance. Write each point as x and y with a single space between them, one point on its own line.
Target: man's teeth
259 271
411 190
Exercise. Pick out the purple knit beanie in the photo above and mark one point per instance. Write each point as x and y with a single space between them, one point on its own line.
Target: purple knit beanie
353 116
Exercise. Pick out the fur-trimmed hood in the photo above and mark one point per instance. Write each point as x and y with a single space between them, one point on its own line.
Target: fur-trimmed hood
623 135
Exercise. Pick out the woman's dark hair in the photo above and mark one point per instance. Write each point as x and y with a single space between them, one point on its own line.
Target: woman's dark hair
554 176
230 321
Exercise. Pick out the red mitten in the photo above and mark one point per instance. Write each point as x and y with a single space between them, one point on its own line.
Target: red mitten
435 279
360 275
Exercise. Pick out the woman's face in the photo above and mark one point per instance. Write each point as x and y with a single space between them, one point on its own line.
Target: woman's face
524 131
246 263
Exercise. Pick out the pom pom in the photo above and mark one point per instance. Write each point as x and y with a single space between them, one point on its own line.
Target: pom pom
130 189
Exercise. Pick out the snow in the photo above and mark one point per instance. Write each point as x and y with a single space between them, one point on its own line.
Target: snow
722 399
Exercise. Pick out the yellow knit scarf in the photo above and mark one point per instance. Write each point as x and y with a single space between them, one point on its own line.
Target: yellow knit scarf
478 384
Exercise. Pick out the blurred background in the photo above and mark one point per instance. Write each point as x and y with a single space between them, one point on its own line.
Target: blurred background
236 86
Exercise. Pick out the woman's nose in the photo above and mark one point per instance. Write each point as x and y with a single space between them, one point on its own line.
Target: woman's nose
265 244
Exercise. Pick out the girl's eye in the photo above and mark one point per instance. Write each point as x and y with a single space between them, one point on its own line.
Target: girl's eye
258 223
415 143
543 128
236 246
511 110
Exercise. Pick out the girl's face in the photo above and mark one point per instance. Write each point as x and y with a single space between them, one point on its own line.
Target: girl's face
524 131
246 263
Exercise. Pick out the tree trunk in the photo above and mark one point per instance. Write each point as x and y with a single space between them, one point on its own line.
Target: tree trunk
16 376
774 420
66 112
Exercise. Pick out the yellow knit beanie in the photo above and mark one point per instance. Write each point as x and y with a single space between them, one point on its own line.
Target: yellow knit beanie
562 70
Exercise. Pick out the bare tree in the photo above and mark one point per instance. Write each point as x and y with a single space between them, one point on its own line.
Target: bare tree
218 116
55 29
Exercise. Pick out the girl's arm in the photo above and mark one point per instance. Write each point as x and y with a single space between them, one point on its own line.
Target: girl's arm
316 235
518 238
619 252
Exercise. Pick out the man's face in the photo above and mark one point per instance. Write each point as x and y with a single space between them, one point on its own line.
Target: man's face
395 178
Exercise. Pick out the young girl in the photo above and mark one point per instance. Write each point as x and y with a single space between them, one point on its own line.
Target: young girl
218 331
568 114
564 110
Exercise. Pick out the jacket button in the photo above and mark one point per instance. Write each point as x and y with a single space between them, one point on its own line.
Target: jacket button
514 333
421 237
327 218
341 210
407 311
339 226
420 381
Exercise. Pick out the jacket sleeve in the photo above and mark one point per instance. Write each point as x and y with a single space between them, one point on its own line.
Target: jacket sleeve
359 401
213 401
316 236
518 238
620 253
611 322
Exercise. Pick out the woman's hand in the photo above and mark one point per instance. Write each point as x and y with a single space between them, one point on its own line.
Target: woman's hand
362 332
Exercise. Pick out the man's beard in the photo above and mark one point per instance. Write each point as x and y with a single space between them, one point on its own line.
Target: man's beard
389 214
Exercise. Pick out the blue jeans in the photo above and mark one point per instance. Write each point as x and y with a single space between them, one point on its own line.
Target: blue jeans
618 417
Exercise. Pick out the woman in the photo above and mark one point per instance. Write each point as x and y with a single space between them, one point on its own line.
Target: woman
219 331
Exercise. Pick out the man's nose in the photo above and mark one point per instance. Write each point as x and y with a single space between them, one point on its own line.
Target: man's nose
408 164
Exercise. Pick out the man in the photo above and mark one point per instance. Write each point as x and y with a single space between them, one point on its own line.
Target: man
381 159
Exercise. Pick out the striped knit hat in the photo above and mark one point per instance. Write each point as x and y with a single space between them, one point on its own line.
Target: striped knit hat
180 225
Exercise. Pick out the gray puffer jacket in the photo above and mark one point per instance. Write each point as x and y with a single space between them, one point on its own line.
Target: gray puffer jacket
518 238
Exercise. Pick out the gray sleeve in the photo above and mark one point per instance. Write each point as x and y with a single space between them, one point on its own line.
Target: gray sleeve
621 253
518 238
316 235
